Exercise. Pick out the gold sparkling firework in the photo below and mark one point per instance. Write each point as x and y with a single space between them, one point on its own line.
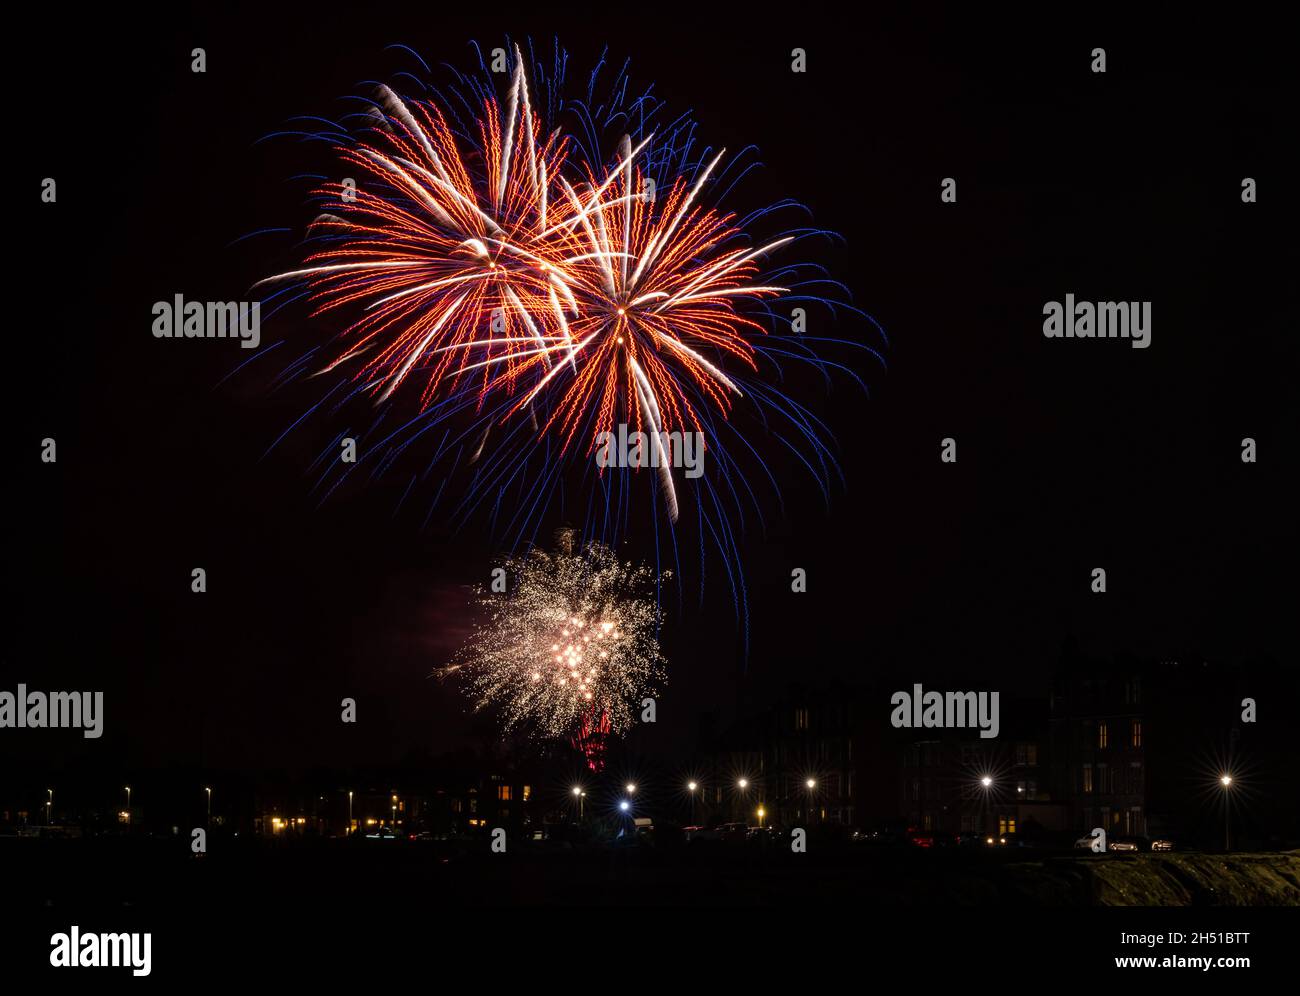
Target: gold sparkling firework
572 644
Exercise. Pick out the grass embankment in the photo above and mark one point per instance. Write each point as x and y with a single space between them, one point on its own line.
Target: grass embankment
1159 880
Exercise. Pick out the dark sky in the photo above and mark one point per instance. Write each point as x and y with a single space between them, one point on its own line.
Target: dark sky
1072 454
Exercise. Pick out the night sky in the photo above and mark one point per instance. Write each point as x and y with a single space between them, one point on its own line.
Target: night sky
1071 454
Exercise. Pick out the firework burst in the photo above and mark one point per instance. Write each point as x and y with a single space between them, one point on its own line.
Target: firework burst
570 649
519 272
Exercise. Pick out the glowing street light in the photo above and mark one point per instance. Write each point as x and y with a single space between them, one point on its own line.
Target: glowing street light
1226 781
49 807
631 788
812 785
986 781
761 813
128 803
691 787
742 784
349 811
208 790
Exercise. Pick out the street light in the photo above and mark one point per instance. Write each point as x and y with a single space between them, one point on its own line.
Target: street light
742 784
209 791
761 813
986 781
49 808
579 795
812 784
349 833
128 803
1226 781
691 787
631 788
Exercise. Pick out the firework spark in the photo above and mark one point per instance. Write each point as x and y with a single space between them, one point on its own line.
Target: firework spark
571 647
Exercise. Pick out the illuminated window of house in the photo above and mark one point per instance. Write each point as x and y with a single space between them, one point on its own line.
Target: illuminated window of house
503 793
1006 824
528 792
1087 778
1102 736
801 719
1137 733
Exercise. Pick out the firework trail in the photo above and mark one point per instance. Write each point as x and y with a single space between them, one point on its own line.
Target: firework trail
570 649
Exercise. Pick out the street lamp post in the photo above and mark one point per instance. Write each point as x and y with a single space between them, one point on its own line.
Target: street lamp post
208 790
691 787
743 784
1226 782
49 807
349 833
987 782
812 802
128 803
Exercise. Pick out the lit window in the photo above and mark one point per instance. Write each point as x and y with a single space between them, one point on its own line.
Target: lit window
1102 736
503 793
1087 778
1137 733
528 792
1006 825
801 719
